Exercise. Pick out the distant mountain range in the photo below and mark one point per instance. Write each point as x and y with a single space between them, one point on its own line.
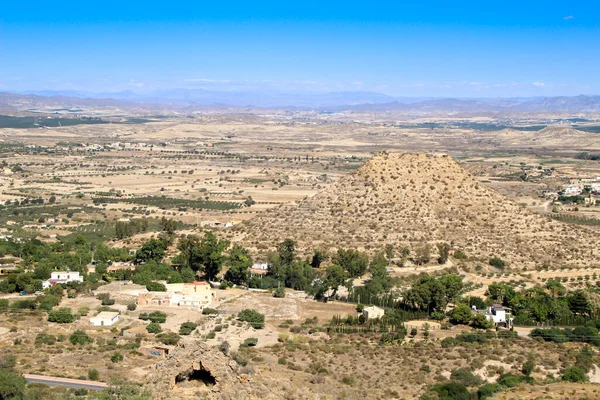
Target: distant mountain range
188 99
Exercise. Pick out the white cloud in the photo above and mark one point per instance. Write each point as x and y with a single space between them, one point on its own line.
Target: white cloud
205 80
135 83
568 17
539 84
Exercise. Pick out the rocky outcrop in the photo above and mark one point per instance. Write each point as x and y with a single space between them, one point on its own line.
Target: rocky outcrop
195 371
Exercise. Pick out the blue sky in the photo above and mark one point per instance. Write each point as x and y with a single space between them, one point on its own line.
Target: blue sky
415 48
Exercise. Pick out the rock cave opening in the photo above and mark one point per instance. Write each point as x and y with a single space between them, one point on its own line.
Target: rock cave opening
198 375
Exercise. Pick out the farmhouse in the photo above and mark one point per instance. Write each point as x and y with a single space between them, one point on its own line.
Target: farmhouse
105 318
193 294
62 277
373 312
498 314
116 266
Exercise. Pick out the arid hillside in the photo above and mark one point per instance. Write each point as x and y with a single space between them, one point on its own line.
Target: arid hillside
409 200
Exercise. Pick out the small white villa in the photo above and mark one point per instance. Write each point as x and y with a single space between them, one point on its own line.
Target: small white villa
105 318
62 277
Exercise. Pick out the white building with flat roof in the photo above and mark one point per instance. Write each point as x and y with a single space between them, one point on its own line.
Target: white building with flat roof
62 277
105 318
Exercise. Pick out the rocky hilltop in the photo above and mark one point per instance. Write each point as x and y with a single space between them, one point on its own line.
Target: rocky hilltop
409 200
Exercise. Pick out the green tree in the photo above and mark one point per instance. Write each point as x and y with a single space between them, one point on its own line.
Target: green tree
168 225
462 314
422 254
287 251
578 302
443 252
188 274
353 261
239 261
319 256
116 357
335 276
389 251
153 249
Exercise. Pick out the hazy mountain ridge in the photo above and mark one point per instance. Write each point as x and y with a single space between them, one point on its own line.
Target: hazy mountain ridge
182 99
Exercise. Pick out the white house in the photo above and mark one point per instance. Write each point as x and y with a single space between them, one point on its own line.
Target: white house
572 190
263 266
62 277
105 318
373 312
499 315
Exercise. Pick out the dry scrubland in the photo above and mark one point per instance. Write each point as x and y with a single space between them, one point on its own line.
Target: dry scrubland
303 174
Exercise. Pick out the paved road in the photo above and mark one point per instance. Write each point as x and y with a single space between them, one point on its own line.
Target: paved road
68 383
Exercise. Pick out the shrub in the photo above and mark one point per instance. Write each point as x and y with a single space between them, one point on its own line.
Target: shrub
437 316
116 357
158 317
131 307
348 380
156 287
93 375
209 311
465 377
170 339
187 328
48 301
451 391
224 347
528 367
153 327
61 316
43 338
279 292
481 322
250 342
488 390
80 337
509 380
253 317
497 262
574 374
